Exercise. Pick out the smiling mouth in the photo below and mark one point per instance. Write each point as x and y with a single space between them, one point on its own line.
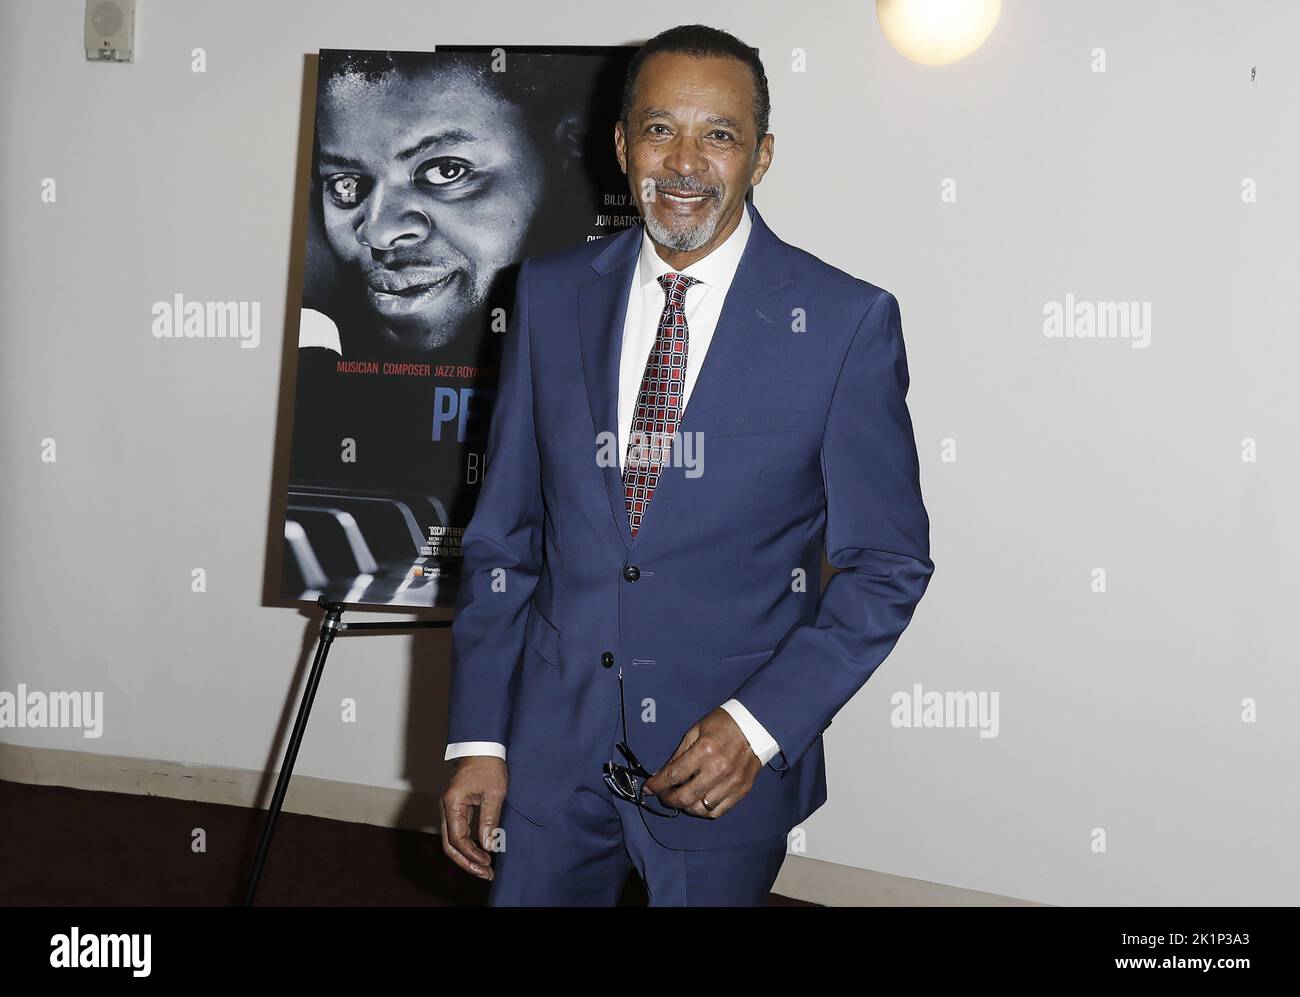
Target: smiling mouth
689 199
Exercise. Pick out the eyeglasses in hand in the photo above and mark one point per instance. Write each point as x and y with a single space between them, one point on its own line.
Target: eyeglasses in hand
623 780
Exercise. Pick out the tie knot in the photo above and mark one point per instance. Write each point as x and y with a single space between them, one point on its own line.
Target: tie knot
675 285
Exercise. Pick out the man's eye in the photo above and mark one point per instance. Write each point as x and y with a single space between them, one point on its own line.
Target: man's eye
441 172
346 190
725 136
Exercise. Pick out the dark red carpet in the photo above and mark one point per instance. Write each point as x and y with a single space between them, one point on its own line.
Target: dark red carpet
73 847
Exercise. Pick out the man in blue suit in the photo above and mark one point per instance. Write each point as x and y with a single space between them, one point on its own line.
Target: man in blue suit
688 414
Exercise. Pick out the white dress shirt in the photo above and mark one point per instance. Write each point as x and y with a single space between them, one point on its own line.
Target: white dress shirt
645 305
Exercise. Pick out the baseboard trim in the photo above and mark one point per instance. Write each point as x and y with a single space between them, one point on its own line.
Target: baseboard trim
801 878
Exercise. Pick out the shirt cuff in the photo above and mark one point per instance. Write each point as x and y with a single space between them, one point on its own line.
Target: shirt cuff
755 733
463 748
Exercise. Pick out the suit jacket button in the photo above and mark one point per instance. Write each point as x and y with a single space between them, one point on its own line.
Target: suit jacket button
631 572
607 659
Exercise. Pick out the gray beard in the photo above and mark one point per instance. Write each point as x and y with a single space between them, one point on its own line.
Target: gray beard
683 240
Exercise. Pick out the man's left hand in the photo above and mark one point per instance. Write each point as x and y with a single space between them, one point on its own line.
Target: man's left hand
713 762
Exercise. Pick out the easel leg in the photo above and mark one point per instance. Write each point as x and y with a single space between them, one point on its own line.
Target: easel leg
329 626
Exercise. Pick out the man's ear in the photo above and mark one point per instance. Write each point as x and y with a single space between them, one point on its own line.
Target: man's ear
762 158
620 145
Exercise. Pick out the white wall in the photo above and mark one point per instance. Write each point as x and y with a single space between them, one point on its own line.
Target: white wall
1119 711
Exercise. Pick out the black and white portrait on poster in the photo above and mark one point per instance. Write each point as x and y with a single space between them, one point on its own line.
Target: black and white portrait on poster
433 174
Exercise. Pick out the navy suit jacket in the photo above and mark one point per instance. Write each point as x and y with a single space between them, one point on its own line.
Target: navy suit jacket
806 444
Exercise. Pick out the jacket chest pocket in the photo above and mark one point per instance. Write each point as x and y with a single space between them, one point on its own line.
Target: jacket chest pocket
757 424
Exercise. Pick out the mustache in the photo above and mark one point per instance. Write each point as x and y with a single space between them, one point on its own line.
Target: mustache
687 185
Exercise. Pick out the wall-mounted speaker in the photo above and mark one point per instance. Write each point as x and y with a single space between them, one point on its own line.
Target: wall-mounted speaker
110 30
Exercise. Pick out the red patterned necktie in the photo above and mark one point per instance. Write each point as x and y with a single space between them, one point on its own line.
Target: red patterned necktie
659 404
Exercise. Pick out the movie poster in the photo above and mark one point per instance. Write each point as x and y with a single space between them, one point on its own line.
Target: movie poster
433 174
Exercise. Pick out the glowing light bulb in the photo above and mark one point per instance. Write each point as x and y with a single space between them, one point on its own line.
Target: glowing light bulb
937 32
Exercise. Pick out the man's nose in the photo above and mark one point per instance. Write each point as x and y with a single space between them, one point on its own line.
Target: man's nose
392 219
685 157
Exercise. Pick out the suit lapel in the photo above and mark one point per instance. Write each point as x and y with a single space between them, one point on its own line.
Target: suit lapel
751 319
602 310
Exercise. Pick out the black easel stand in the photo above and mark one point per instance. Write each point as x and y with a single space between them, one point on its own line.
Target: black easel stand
332 624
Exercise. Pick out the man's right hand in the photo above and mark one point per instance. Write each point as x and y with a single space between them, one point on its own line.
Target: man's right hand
479 782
